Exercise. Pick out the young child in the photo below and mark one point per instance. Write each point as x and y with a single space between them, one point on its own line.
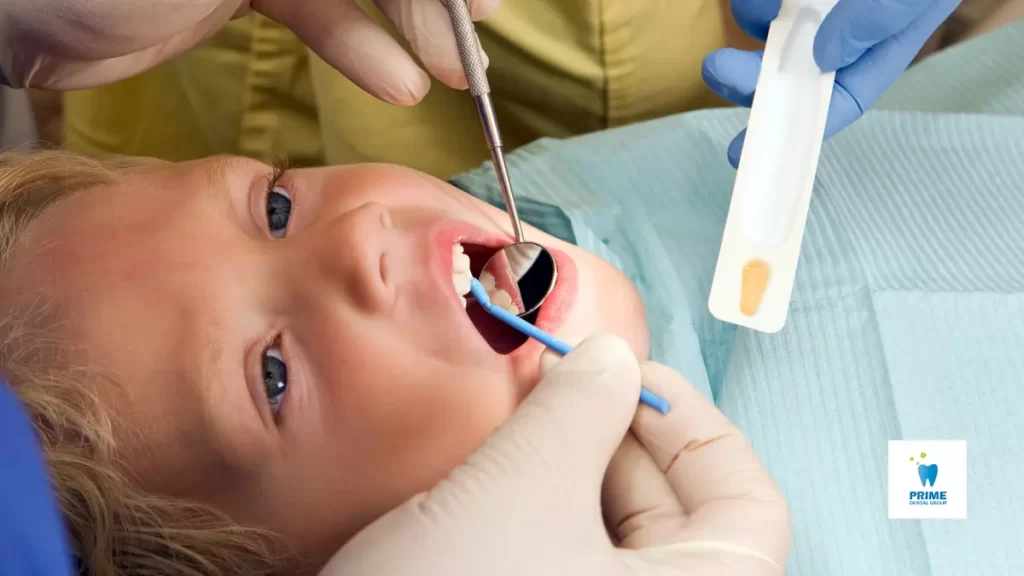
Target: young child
234 368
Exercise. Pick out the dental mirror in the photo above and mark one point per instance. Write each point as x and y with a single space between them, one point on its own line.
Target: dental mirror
525 271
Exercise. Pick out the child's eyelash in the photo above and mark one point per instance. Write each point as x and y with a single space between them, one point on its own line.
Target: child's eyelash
279 171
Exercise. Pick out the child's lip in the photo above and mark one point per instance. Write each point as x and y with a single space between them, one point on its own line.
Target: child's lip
445 237
553 312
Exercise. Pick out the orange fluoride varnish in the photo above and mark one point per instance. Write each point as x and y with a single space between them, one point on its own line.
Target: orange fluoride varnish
771 195
755 282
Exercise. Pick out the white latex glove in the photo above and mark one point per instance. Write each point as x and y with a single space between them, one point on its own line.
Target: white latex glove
690 497
71 44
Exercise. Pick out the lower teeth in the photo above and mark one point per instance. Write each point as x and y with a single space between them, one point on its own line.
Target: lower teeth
501 299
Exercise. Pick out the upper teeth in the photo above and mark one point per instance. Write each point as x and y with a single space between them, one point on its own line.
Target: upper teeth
498 296
462 277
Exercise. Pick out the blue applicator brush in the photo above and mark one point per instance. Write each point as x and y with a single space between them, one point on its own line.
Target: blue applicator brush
646 396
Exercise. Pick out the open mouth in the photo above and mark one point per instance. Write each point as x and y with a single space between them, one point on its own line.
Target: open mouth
468 261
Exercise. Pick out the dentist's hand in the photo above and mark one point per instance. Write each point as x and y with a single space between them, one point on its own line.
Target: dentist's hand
868 43
684 495
71 44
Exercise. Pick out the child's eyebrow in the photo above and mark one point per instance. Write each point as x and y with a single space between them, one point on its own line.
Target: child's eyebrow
222 168
226 175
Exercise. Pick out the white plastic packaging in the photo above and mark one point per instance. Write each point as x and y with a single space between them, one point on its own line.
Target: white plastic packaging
764 229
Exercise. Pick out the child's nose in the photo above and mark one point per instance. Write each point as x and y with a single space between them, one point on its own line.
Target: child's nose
353 254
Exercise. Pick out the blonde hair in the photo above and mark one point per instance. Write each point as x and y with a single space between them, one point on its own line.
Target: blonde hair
114 527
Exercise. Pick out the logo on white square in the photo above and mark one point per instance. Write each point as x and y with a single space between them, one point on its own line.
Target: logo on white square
927 479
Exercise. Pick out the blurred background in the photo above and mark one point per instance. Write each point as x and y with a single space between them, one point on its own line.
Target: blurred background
36 116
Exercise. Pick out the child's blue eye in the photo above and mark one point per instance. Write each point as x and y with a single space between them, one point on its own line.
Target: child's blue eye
275 379
279 209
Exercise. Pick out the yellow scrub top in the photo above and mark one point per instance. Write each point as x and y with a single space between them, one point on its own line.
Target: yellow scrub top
557 68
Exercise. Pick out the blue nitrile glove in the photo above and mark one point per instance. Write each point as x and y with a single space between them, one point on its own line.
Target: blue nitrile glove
869 43
32 537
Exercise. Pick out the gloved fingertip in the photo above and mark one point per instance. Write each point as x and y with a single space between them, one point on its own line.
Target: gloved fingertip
609 347
831 53
732 74
451 74
575 418
481 9
736 149
713 64
456 82
414 89
825 53
755 16
548 360
844 109
708 68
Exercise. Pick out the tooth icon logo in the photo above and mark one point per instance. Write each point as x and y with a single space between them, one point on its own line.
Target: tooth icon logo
926 472
917 490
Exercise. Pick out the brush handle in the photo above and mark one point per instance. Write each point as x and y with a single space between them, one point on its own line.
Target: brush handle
646 396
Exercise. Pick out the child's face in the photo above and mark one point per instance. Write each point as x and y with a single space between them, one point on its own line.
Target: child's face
175 283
